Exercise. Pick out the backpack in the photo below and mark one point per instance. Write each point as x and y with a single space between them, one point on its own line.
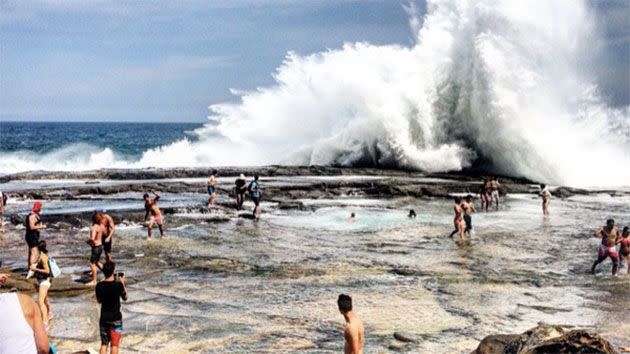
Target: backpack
54 268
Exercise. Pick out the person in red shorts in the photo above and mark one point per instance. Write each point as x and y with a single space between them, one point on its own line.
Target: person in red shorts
609 234
109 291
624 251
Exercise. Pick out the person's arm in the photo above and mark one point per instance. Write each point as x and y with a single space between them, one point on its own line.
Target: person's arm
4 277
157 196
93 233
599 232
123 295
33 316
111 227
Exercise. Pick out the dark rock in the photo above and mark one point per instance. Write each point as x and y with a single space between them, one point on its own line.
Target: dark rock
16 219
404 337
545 339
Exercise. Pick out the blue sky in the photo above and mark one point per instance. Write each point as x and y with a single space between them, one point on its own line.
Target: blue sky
161 61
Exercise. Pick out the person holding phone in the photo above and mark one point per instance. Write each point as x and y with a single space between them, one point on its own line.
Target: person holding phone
109 291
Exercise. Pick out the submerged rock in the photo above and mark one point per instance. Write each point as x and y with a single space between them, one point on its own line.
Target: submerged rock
545 339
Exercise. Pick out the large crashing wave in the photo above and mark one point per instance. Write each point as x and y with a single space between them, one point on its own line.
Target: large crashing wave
498 85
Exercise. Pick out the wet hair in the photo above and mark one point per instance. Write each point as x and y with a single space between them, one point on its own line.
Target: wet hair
610 222
353 214
109 268
255 177
625 229
214 172
458 200
345 303
41 246
412 213
542 186
97 217
146 195
469 198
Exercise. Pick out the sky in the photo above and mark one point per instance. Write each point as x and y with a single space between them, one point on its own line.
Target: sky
167 61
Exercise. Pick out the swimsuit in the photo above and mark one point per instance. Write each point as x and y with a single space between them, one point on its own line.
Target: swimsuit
604 251
211 189
625 250
156 219
32 236
468 220
96 254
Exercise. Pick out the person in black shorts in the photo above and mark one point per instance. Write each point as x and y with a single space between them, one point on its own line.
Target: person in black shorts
255 194
96 242
107 222
239 190
33 225
109 291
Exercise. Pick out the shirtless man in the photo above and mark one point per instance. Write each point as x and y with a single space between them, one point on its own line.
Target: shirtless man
354 332
494 191
624 251
469 207
96 242
609 234
212 188
546 197
458 222
150 205
108 223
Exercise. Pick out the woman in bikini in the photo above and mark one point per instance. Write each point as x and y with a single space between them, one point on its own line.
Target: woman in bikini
458 221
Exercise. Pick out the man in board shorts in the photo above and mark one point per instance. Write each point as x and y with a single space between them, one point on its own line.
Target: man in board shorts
609 234
469 207
109 291
108 232
96 242
255 194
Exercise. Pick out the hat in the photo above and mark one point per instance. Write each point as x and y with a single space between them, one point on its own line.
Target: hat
242 176
37 206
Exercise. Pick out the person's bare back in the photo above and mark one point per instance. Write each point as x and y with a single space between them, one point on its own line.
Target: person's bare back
354 334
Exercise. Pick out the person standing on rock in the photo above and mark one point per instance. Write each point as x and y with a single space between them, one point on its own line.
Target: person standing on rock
151 207
483 196
109 291
624 251
494 191
354 332
458 221
212 188
43 275
240 191
469 207
108 228
255 194
546 197
3 203
96 242
609 234
33 225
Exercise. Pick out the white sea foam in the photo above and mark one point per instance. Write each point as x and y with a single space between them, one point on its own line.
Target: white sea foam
499 85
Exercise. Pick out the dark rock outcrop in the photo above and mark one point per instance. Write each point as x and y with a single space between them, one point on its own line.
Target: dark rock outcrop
546 339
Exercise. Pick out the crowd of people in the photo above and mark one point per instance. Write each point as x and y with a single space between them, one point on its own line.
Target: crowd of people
30 336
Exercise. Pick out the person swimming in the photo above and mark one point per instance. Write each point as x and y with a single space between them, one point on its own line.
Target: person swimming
609 234
352 216
412 213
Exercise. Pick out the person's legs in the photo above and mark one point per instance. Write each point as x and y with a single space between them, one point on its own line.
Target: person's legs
47 303
103 349
615 263
161 227
41 301
94 275
33 254
149 228
116 336
599 259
